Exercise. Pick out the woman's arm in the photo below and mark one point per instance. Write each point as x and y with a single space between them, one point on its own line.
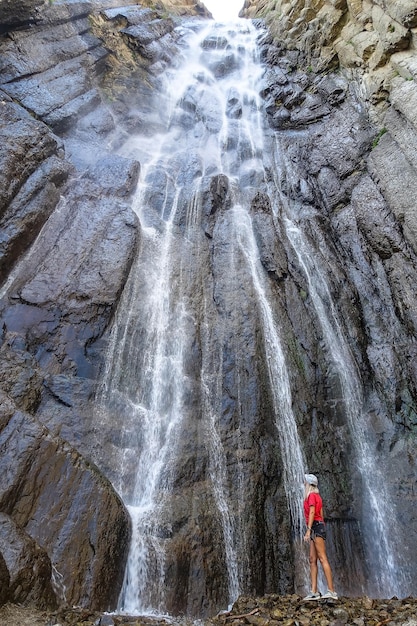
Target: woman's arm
310 522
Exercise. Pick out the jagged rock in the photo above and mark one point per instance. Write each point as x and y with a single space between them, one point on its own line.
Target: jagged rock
20 376
148 32
28 565
4 582
32 174
61 299
87 533
180 7
152 40
363 38
404 12
18 13
298 99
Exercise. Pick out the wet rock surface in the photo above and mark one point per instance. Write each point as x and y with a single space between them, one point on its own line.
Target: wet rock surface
65 203
69 87
43 473
28 566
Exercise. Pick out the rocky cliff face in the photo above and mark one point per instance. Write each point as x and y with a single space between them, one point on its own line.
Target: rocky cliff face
77 79
373 43
68 240
343 82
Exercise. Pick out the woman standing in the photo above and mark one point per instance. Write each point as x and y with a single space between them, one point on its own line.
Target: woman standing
316 536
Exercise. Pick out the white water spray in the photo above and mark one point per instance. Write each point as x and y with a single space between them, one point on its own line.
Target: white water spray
291 449
156 320
380 546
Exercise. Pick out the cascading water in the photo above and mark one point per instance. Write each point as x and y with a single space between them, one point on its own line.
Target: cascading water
291 449
385 577
214 128
384 568
198 355
290 444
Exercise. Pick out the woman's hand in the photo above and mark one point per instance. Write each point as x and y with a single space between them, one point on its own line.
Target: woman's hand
307 536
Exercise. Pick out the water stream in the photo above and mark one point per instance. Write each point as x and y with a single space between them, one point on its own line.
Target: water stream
157 318
385 575
384 568
197 301
291 449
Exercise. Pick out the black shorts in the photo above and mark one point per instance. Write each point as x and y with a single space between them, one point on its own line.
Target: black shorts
318 529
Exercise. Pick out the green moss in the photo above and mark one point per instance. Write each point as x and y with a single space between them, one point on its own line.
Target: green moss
378 137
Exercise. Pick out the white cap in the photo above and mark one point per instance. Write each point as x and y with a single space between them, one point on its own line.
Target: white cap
311 479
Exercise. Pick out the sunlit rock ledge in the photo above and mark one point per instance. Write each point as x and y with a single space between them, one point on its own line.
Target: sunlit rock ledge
372 45
374 42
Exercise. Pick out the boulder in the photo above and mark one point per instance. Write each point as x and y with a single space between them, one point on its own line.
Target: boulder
60 512
28 566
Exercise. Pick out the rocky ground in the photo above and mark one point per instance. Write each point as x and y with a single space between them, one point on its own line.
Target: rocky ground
271 610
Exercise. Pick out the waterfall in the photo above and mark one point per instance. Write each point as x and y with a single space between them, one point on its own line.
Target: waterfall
381 553
383 574
291 448
218 470
198 357
213 127
290 444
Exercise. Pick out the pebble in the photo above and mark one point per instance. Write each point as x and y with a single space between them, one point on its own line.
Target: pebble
269 610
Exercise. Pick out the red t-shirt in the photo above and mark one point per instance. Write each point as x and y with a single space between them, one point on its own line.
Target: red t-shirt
314 499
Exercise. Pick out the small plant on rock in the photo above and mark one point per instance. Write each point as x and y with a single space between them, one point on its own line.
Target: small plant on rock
378 137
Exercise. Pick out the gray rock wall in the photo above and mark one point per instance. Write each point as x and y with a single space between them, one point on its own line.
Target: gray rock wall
68 239
68 86
356 162
373 45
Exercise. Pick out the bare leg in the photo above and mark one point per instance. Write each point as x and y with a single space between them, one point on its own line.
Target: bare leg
313 567
320 549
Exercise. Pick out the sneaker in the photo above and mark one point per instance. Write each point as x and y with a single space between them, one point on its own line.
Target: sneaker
312 596
330 595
